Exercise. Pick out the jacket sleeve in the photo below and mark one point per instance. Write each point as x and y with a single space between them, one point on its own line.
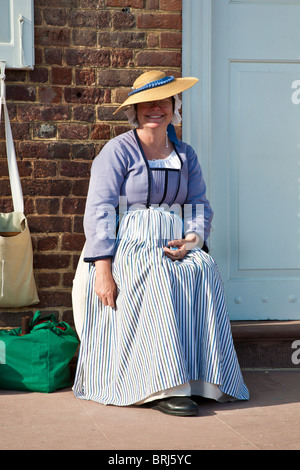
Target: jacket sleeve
107 175
198 214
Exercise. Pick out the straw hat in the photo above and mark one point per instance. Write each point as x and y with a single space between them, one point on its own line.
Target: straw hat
154 85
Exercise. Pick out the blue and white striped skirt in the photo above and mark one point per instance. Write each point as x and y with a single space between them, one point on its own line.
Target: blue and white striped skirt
170 326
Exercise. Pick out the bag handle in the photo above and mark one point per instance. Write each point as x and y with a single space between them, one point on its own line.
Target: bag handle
14 177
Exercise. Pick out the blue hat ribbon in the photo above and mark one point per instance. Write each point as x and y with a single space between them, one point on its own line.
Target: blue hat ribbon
154 84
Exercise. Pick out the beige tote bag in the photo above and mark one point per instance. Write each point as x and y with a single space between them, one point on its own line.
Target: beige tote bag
17 283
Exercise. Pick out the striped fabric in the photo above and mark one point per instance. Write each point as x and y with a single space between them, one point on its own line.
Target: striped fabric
170 325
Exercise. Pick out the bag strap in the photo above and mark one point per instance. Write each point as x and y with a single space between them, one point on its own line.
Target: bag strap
14 177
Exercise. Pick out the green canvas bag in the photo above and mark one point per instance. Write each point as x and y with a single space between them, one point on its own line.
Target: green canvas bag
37 361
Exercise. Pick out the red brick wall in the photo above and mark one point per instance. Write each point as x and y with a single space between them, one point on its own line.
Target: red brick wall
88 53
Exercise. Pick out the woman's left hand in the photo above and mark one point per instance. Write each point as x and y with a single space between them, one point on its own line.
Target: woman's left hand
181 246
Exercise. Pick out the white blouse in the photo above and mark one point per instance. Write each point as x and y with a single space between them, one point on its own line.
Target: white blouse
172 161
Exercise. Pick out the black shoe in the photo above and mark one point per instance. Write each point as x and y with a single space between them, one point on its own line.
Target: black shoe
178 406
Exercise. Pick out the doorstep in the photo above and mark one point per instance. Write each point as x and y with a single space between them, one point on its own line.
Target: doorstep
267 344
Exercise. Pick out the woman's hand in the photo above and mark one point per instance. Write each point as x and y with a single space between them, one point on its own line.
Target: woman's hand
181 246
105 286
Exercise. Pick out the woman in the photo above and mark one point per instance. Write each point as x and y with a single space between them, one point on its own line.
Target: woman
156 327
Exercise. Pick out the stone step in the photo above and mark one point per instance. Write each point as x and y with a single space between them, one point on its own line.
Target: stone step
267 344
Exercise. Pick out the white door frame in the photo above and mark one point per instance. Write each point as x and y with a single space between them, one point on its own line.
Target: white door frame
196 61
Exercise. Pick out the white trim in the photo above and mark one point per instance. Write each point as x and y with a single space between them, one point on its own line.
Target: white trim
17 50
196 61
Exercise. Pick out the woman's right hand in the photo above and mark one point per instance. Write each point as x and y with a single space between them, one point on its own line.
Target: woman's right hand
105 286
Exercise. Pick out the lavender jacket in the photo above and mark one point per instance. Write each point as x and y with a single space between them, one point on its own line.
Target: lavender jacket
121 173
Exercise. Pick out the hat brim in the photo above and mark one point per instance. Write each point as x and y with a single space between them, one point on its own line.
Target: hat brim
178 85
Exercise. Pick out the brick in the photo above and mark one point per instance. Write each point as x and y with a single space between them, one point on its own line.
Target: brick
121 94
67 279
38 17
5 187
105 113
85 77
83 151
54 298
75 169
135 40
20 130
159 59
84 19
122 58
49 224
42 187
44 131
45 205
73 241
152 4
47 243
92 3
88 57
100 132
80 187
84 95
61 75
56 113
38 55
29 112
84 37
33 150
72 131
28 206
54 56
12 111
13 75
53 260
52 36
55 16
3 168
117 78
47 280
25 168
59 150
84 113
50 94
121 129
78 224
153 40
20 92
39 75
73 205
171 40
159 21
61 3
128 3
123 20
6 205
67 316
44 169
171 5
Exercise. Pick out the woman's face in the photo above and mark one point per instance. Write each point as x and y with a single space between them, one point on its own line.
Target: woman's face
153 114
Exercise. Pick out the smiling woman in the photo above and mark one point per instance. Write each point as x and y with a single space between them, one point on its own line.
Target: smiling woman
154 118
156 327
